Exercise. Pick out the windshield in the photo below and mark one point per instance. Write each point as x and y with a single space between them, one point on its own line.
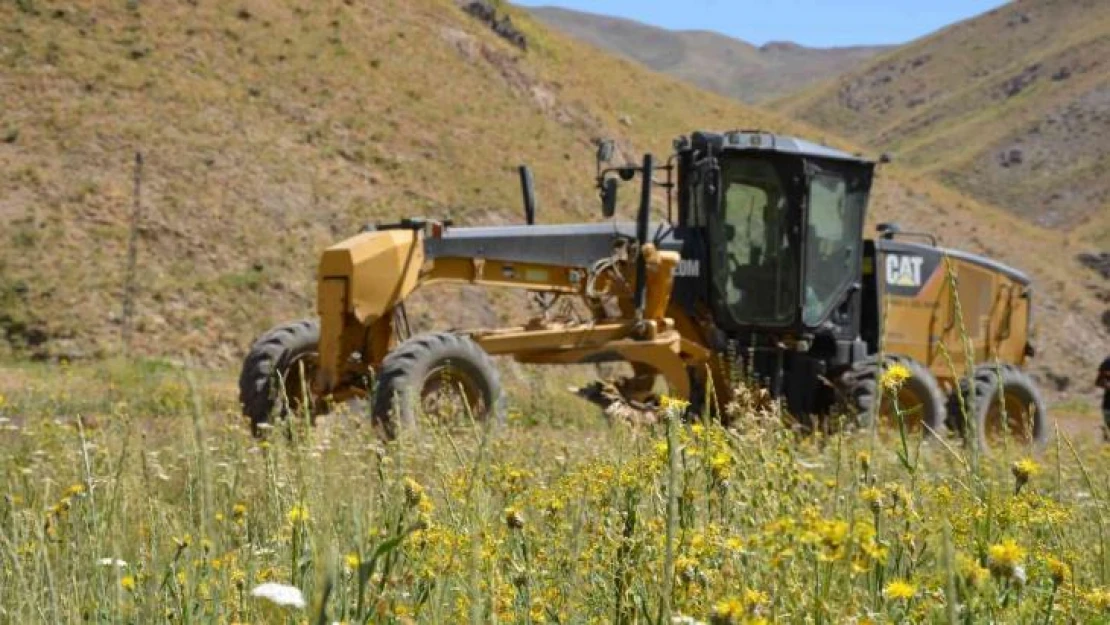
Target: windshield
832 244
758 264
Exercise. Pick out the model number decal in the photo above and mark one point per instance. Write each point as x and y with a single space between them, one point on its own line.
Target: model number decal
688 268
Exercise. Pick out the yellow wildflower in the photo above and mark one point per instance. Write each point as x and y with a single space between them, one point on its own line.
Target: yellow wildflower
298 514
537 612
755 599
899 495
513 518
727 612
75 490
673 404
239 510
895 376
899 590
352 561
414 492
1058 569
874 550
973 574
554 507
1098 598
61 507
1023 470
1005 558
864 460
127 582
833 535
697 543
720 464
873 497
686 568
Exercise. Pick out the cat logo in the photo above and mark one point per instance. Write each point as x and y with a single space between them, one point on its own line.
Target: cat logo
688 268
903 270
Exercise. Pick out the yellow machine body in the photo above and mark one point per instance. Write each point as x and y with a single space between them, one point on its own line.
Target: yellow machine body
762 273
363 280
946 308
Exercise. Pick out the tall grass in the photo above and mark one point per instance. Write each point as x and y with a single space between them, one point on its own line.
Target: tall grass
130 517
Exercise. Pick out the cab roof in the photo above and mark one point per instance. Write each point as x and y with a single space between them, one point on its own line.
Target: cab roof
763 140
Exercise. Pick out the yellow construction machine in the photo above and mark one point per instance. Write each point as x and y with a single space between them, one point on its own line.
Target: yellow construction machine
760 272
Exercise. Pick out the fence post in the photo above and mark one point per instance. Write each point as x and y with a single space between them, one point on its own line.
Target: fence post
129 286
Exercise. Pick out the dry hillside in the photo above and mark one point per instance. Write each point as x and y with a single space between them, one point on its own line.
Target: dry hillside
710 60
273 127
1012 107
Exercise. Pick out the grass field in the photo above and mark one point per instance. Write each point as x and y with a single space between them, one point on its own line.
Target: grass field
133 493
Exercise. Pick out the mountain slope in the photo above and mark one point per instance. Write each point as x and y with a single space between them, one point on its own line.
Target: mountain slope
710 60
1012 106
270 129
273 128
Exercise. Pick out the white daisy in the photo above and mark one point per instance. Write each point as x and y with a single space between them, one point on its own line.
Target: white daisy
280 594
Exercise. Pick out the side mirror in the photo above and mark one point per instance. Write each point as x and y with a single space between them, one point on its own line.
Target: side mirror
888 230
604 151
609 197
627 173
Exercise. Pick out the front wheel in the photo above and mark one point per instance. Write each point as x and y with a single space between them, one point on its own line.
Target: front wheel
277 371
447 379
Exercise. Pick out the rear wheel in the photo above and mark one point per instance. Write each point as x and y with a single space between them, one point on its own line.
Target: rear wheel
917 398
1003 402
444 379
278 370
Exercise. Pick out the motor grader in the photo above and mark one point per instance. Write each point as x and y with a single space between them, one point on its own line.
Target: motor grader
760 273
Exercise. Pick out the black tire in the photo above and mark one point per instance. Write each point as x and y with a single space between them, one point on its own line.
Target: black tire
408 370
275 358
920 397
1024 407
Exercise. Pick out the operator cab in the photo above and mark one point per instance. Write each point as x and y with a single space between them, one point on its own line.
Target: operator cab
779 221
784 221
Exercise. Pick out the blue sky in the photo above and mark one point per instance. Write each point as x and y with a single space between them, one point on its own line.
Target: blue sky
819 23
